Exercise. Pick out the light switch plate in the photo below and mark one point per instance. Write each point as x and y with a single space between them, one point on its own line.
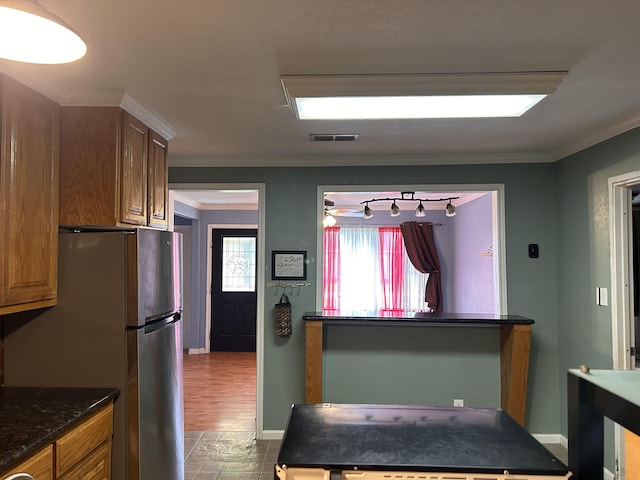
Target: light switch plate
604 297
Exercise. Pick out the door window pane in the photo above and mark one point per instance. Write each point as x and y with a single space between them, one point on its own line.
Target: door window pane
238 264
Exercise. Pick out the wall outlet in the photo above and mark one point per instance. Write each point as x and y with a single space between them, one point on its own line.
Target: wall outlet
458 402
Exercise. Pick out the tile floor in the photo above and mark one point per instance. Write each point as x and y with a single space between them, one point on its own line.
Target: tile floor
228 456
239 456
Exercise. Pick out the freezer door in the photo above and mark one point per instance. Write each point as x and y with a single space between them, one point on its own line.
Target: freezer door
155 271
155 400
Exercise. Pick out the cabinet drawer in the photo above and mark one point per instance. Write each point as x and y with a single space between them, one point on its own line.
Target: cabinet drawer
39 466
97 466
80 441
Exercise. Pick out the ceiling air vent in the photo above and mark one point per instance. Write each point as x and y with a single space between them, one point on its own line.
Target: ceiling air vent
316 137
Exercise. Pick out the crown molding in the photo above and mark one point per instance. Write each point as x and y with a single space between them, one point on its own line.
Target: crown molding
363 160
116 97
151 119
598 137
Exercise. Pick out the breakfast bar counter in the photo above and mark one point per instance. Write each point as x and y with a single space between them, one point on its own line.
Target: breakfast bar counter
515 339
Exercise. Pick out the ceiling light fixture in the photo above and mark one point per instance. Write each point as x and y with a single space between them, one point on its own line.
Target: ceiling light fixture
30 33
329 220
408 197
450 210
414 96
368 213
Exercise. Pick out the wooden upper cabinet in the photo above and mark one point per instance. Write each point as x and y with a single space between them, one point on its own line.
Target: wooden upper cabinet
134 179
107 171
29 156
158 180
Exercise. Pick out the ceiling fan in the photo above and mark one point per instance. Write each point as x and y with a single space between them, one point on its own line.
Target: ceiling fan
331 209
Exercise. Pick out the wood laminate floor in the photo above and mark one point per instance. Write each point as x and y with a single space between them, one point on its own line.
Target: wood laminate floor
220 392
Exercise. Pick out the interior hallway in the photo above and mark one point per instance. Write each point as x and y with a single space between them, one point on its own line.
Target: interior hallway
220 392
219 419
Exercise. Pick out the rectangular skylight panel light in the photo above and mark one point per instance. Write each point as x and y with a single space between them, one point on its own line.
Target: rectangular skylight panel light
414 107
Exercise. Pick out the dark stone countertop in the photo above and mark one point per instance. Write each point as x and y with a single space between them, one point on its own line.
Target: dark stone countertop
416 318
31 418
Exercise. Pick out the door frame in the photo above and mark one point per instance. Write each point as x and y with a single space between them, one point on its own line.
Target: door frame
260 279
620 241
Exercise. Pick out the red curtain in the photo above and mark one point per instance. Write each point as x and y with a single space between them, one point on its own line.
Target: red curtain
391 268
421 249
331 269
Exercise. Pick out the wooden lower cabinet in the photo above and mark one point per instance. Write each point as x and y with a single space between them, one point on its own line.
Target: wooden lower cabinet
95 466
83 453
39 466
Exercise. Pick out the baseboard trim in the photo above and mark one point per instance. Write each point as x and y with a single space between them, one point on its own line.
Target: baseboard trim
193 351
271 435
550 438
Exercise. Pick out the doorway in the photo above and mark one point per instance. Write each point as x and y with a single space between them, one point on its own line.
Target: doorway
205 218
623 190
233 290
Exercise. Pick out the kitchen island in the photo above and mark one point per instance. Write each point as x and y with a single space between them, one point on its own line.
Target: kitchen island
515 338
34 418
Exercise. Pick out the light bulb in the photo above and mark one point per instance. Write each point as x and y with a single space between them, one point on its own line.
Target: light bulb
395 210
420 210
450 209
329 221
367 212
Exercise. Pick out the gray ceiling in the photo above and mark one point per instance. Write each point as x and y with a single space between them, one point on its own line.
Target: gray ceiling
211 70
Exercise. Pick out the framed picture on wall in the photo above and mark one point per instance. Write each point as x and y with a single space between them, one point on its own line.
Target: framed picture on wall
288 265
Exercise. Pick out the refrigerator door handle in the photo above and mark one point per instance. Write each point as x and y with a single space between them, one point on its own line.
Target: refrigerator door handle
162 323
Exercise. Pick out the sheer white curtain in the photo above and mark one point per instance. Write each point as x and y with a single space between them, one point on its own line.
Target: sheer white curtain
415 284
360 286
360 279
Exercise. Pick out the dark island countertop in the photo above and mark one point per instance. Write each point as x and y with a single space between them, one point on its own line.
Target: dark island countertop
31 418
416 318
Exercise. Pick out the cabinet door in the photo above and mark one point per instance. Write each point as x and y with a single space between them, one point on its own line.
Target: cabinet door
39 466
158 181
29 162
133 171
95 466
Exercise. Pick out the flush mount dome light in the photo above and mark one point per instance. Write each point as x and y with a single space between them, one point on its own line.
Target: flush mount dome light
30 33
472 95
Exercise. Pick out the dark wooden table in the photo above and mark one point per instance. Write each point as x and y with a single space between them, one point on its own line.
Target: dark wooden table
593 395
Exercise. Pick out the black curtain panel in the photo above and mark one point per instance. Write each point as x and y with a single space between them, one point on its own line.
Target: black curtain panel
421 248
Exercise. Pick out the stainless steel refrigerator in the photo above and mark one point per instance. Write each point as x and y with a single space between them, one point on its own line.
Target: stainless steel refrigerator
117 324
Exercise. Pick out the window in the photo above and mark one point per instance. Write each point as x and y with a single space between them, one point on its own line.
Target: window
238 264
366 269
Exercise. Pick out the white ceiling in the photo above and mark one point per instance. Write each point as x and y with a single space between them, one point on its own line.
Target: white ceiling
211 70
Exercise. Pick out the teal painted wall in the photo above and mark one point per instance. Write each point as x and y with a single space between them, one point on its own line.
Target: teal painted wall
584 329
530 202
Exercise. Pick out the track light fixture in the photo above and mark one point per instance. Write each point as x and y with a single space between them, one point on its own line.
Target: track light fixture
450 209
367 212
329 220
